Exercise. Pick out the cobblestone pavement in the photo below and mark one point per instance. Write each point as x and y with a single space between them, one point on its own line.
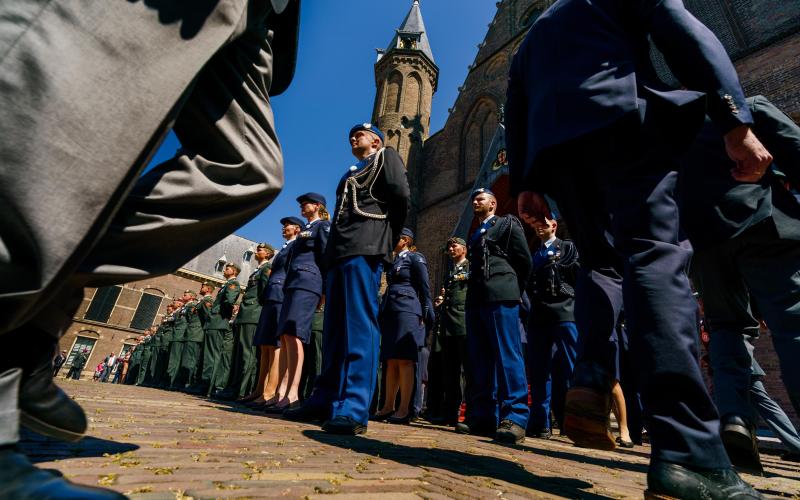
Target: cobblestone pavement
152 444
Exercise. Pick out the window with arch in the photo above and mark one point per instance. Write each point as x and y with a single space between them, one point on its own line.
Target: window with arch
480 128
147 309
530 16
413 95
83 343
394 86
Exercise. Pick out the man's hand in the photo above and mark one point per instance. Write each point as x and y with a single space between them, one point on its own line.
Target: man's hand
751 157
532 207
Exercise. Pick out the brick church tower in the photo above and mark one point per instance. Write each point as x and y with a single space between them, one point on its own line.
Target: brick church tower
406 77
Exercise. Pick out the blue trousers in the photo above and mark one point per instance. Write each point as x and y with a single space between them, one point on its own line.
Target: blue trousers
497 389
618 199
350 339
552 349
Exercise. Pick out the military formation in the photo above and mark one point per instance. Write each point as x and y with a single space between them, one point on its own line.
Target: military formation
595 142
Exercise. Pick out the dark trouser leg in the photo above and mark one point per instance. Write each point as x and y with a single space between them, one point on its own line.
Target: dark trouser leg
175 354
774 416
436 393
189 361
771 268
482 383
640 215
9 411
454 353
236 369
143 369
312 362
211 353
540 363
222 368
630 388
563 366
361 337
249 359
726 304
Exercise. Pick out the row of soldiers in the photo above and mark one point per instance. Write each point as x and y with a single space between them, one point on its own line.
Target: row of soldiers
203 345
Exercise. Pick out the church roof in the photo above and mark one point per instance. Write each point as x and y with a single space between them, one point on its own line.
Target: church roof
413 28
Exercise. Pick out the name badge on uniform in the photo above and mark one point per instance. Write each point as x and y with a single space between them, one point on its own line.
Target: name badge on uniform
305 234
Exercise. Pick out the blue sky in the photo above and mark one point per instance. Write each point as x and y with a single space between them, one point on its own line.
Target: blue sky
334 88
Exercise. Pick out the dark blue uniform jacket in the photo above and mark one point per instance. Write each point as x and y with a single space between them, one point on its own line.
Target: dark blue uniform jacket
277 277
409 290
305 260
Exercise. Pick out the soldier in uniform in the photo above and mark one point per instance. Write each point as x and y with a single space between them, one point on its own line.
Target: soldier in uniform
78 362
371 207
161 377
303 290
193 344
203 371
243 358
501 262
453 335
160 345
551 323
147 353
271 300
591 125
178 340
135 362
406 305
219 336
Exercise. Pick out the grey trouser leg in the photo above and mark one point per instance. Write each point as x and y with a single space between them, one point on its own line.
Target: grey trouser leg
9 410
774 416
88 91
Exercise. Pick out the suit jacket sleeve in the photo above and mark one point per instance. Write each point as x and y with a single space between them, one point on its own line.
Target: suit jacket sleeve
568 264
516 125
780 134
320 244
397 191
232 291
419 279
519 255
697 58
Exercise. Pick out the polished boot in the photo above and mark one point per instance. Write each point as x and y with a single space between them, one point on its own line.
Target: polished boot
740 442
344 426
307 413
668 481
509 432
587 408
22 481
44 407
484 429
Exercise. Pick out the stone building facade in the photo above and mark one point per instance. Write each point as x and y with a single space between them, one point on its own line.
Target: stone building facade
762 37
111 319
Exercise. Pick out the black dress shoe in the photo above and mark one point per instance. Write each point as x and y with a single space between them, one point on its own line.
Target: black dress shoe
22 481
539 433
741 444
791 456
509 432
307 413
667 481
379 418
399 420
484 429
44 407
624 444
344 425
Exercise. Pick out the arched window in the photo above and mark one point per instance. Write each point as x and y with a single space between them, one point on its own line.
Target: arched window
479 130
529 17
413 95
394 87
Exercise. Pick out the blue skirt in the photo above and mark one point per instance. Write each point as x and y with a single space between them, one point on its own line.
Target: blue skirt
297 314
401 336
267 330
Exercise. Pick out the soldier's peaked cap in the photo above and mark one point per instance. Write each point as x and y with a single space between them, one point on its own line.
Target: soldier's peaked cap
367 127
482 191
312 197
295 221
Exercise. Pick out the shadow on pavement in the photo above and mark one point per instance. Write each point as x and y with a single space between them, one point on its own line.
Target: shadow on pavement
459 463
39 448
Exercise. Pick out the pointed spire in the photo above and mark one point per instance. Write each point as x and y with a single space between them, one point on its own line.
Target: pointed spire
411 35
